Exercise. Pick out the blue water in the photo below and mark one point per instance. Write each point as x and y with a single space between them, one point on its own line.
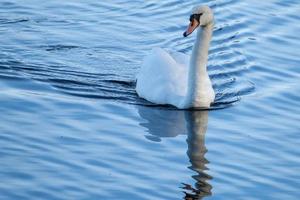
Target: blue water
72 126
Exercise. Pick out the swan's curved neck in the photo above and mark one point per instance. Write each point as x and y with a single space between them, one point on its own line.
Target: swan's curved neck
198 76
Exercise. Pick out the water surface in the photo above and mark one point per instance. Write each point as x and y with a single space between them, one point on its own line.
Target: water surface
72 126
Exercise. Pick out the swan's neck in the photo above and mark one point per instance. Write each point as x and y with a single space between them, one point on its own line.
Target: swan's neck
198 79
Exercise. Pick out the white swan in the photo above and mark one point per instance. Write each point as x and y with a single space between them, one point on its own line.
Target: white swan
174 78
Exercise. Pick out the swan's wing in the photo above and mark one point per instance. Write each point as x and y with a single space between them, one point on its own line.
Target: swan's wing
163 77
180 58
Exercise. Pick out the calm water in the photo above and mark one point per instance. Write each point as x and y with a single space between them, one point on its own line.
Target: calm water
72 126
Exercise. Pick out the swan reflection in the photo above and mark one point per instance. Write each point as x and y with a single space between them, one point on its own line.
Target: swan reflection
196 126
170 123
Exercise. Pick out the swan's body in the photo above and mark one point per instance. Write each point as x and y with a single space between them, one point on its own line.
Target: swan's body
175 78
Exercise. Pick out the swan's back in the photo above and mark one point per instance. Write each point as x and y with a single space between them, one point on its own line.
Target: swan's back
163 77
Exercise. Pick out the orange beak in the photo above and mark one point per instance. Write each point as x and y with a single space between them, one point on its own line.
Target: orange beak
192 26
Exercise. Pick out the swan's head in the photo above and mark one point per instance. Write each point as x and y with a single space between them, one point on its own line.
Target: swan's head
201 16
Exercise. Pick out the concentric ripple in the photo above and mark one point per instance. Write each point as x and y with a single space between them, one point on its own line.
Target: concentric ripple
103 65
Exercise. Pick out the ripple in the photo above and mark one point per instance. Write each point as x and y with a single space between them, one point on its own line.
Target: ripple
59 47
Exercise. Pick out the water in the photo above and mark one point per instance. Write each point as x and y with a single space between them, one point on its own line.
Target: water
72 126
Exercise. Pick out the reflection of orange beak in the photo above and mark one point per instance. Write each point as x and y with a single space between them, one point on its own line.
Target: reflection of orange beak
192 26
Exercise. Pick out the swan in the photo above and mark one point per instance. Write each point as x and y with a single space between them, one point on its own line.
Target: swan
174 78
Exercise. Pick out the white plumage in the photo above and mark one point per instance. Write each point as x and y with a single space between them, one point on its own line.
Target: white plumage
175 78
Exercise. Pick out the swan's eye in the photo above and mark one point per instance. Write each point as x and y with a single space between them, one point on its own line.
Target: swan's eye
195 16
192 18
